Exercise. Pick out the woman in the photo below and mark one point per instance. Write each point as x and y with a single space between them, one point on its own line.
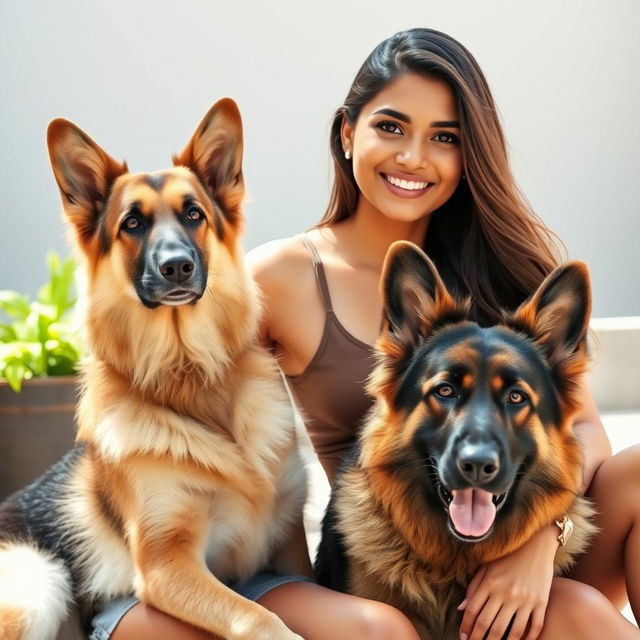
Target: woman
419 155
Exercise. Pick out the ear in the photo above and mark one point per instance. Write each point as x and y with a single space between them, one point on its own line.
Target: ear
214 154
558 312
413 294
84 172
346 134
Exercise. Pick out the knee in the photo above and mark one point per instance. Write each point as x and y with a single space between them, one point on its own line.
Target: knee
627 464
379 621
580 605
621 470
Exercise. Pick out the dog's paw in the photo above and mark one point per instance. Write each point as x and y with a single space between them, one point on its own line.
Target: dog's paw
266 626
272 628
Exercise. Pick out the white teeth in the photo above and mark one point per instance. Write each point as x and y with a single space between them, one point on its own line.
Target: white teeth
405 184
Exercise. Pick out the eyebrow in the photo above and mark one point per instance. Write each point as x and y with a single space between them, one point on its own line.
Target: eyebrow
446 124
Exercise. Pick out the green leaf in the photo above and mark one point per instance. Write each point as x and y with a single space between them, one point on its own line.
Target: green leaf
7 333
37 361
39 341
31 354
48 311
29 330
67 297
15 372
53 262
59 290
60 366
14 304
62 349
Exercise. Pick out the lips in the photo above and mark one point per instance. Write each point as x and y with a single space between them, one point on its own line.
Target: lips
406 186
178 297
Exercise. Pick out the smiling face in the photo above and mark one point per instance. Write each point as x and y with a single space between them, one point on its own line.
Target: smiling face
405 146
484 408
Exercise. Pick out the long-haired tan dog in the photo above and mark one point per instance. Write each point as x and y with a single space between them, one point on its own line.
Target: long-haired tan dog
185 476
469 449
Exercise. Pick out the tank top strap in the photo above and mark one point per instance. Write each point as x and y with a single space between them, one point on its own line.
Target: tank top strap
321 277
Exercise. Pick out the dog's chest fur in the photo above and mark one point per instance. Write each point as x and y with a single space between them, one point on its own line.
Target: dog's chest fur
382 566
241 536
235 495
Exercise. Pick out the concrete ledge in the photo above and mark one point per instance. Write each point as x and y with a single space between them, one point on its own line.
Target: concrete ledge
615 377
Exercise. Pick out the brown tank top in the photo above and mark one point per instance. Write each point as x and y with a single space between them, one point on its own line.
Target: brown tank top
330 391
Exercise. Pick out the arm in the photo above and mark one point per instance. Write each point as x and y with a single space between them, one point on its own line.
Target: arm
293 558
258 262
595 443
519 584
268 267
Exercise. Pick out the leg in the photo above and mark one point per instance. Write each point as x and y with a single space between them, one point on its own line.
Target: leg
143 621
317 613
312 611
577 610
612 563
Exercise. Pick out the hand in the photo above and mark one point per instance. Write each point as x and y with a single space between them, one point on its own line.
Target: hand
514 587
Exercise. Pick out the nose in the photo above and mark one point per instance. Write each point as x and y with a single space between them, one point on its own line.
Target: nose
412 155
478 463
177 268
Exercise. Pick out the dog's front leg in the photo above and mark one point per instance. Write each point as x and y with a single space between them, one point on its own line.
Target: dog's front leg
178 584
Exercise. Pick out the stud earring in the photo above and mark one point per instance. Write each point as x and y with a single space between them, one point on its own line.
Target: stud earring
347 154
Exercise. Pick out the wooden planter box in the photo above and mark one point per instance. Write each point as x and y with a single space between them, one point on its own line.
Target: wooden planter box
36 428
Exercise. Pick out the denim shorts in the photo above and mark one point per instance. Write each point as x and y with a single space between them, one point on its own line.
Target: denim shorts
106 620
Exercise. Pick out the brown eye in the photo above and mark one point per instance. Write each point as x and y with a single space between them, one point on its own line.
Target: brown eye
445 391
516 397
194 214
447 138
389 127
131 223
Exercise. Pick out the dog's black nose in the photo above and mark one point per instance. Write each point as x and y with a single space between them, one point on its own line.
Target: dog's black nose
478 463
177 268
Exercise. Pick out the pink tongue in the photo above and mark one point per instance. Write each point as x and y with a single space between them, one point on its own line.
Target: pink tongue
472 512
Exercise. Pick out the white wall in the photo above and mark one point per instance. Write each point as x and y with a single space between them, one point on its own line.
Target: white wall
139 74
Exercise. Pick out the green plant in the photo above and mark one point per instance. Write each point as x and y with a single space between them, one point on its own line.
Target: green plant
40 340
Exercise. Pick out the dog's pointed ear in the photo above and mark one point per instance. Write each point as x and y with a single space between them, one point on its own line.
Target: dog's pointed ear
214 154
558 312
84 172
413 295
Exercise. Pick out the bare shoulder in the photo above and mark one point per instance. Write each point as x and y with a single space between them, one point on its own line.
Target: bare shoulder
280 265
283 270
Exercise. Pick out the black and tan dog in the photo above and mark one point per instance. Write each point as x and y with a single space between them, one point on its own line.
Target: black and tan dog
186 475
469 448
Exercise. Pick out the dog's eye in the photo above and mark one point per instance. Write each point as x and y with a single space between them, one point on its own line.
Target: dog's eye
193 213
445 391
516 397
131 223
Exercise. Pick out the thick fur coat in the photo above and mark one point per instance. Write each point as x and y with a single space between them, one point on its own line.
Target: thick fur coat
186 475
469 448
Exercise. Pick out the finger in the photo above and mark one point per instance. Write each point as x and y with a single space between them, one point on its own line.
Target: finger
519 624
472 609
485 619
473 586
537 623
501 623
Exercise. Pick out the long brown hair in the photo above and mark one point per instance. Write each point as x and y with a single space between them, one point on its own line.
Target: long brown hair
485 240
